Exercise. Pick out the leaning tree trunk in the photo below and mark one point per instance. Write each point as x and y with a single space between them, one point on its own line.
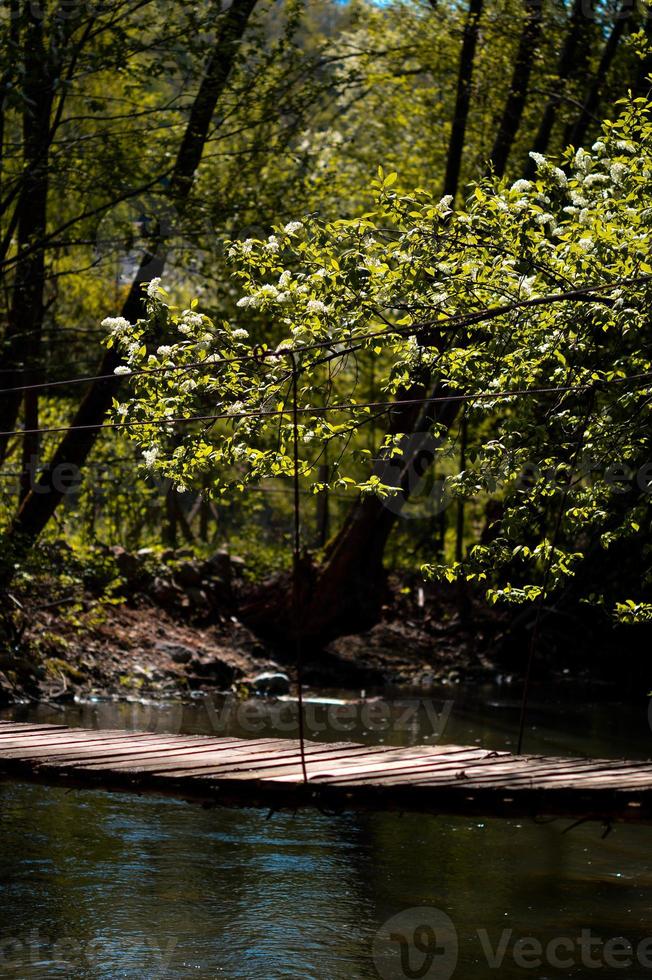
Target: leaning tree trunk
518 89
571 52
75 446
577 133
346 591
462 98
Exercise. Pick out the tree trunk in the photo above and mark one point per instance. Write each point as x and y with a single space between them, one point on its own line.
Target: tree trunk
577 133
345 593
23 335
641 84
463 98
517 94
570 54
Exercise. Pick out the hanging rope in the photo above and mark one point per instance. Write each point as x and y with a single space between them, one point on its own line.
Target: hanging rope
296 564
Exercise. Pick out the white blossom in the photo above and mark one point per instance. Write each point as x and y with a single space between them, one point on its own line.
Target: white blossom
164 350
246 301
240 334
150 456
519 186
618 172
592 179
153 288
538 158
192 319
525 285
122 369
583 161
116 325
316 306
293 227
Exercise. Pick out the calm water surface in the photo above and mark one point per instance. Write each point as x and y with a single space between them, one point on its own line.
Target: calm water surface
105 885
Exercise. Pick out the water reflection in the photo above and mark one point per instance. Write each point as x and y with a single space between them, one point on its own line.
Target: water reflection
98 885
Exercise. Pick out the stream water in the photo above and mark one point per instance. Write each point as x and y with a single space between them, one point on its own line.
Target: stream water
103 885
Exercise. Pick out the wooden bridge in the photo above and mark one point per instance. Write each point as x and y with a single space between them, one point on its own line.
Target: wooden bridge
268 772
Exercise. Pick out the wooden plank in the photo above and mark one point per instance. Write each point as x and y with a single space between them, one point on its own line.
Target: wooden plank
198 764
6 728
114 750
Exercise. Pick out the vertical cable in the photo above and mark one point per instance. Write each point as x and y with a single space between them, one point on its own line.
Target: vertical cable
296 566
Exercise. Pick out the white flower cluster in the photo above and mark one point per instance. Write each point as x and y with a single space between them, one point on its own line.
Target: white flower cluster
583 161
293 227
121 370
543 164
150 456
316 306
525 285
116 325
267 293
189 322
538 158
618 172
153 288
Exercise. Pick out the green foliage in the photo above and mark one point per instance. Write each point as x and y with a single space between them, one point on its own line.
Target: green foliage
532 303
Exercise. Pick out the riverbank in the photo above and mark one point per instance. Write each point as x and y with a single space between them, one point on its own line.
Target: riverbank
171 629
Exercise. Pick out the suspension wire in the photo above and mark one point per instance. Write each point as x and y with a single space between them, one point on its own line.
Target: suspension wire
459 320
257 355
296 566
343 407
